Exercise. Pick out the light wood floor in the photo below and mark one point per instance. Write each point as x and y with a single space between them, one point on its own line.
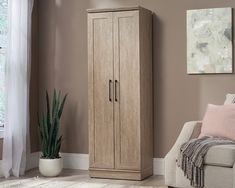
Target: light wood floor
77 178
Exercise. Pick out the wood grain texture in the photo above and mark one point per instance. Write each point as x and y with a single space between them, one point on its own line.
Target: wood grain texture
120 174
113 9
125 150
100 62
115 174
127 108
146 88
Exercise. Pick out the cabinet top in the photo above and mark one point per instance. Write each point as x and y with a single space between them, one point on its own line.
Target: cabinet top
115 9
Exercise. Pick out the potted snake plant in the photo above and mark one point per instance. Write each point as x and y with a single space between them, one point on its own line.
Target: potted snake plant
50 162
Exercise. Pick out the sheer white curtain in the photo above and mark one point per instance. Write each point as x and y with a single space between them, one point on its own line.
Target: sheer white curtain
16 132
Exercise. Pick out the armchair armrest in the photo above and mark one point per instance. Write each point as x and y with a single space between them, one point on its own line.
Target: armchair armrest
190 130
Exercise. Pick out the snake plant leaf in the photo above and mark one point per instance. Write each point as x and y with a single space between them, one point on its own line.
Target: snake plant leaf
56 133
54 124
49 126
58 98
58 145
45 128
45 134
54 101
62 106
39 127
48 111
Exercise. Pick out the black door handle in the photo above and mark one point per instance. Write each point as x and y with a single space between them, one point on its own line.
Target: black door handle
116 97
110 90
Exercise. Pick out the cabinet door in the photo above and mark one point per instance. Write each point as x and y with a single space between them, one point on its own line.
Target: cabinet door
127 89
100 94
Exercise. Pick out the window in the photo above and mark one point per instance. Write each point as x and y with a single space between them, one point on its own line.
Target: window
3 44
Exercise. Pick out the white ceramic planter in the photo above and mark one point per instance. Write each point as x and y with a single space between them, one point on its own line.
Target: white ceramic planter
50 167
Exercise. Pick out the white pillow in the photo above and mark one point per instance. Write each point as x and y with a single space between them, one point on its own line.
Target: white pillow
230 99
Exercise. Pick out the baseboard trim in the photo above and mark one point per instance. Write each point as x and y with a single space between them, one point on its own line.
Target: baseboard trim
76 161
70 160
32 160
158 166
81 161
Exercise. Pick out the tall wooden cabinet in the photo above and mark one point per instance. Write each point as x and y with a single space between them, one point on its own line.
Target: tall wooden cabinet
120 93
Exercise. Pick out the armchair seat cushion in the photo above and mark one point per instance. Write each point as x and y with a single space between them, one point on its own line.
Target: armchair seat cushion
221 155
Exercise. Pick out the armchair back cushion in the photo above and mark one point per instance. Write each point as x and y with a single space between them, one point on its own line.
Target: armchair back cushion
219 121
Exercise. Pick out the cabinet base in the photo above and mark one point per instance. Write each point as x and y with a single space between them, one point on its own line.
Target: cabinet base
120 174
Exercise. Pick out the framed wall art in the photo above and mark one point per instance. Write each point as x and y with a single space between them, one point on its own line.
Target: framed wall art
209 41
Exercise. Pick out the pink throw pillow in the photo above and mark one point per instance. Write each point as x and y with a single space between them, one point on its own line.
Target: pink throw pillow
219 121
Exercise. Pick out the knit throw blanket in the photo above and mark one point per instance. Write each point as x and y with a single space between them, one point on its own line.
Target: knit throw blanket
191 156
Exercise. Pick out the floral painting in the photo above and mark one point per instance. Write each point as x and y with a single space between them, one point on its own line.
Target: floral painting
209 41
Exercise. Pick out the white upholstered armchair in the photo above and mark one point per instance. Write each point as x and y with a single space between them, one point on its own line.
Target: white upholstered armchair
219 162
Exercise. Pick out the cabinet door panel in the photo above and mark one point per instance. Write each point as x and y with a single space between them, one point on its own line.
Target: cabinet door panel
100 58
127 107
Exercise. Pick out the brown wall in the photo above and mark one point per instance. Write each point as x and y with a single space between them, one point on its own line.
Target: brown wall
178 97
33 103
